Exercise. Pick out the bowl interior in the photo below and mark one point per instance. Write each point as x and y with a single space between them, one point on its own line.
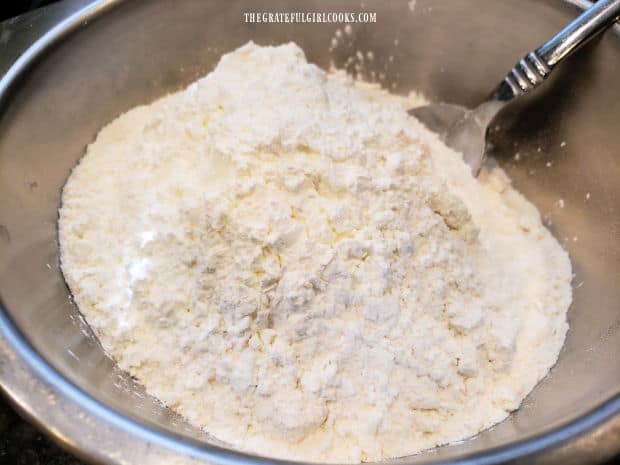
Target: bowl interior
450 51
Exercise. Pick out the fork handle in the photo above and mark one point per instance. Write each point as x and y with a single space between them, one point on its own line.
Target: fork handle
534 68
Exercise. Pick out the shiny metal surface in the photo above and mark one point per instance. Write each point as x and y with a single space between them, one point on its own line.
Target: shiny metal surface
466 130
122 53
590 22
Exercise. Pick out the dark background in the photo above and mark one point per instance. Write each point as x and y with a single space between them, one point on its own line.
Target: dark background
10 8
22 444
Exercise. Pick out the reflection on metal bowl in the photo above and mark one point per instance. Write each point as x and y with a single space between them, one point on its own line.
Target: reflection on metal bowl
561 147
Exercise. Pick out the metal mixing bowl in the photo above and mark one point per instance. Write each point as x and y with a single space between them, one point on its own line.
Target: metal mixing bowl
119 54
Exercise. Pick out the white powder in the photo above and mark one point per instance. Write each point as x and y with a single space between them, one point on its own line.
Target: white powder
305 271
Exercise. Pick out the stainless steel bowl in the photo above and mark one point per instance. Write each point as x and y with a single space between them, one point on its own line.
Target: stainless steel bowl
118 54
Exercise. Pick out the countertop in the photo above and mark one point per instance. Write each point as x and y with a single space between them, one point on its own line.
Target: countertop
23 444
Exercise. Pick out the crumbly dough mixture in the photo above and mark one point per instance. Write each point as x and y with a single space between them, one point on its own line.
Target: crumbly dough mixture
299 267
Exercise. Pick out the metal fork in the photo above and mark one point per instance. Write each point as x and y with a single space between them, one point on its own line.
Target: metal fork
465 130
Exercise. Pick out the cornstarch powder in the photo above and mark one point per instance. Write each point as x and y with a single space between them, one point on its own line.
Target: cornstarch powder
294 264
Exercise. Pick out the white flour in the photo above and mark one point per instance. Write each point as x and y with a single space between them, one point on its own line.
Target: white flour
300 268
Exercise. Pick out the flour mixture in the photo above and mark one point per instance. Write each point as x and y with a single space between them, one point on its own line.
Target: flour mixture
294 264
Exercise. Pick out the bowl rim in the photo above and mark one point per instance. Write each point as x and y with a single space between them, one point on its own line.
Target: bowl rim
104 435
